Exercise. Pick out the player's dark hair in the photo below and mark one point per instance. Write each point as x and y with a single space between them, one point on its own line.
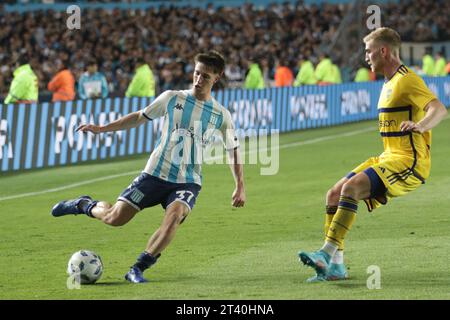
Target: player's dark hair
213 60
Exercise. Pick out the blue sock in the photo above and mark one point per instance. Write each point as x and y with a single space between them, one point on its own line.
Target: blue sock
86 207
91 206
146 260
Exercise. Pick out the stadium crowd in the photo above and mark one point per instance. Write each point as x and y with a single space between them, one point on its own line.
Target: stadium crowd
167 39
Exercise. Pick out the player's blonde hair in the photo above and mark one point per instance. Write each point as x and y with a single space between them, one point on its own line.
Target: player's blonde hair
385 36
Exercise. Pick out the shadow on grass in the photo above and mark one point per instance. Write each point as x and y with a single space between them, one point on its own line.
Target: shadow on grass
349 284
110 283
150 281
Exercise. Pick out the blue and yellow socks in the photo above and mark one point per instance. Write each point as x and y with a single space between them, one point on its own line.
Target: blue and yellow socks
342 221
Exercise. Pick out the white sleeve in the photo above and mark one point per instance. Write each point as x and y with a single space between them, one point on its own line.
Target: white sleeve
229 137
158 107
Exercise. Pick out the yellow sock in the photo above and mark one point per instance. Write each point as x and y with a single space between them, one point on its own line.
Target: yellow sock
342 221
330 212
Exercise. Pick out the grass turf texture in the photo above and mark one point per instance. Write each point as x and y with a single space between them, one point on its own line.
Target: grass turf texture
225 253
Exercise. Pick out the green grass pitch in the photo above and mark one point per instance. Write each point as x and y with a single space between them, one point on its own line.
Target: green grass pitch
224 253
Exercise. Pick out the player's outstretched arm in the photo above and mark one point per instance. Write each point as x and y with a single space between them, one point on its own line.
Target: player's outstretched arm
435 112
131 120
237 168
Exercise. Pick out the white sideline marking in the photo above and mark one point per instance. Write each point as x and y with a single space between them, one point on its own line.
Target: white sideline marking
346 134
284 146
69 186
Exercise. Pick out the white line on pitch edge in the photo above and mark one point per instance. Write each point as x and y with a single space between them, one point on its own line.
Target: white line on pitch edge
284 146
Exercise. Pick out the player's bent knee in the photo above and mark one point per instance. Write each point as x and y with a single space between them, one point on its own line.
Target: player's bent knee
350 189
357 188
176 217
333 195
119 215
177 213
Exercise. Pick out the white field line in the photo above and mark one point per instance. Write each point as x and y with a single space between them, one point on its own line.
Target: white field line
284 146
69 186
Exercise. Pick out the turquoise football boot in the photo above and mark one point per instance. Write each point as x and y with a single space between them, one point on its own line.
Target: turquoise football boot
336 272
316 278
319 260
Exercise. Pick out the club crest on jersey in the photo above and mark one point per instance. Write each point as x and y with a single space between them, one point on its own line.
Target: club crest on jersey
388 93
213 120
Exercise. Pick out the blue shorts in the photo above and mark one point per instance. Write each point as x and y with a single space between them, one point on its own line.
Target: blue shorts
148 191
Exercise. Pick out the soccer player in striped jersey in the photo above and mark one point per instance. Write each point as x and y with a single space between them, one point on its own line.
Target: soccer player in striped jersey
172 176
408 111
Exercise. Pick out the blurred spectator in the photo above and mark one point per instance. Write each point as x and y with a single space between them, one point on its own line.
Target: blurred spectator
24 86
306 73
143 83
233 74
419 20
439 65
92 84
267 73
337 78
415 21
254 78
116 37
62 84
447 68
428 63
362 75
324 71
283 75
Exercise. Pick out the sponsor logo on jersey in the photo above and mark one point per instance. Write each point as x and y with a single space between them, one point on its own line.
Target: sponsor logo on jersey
213 120
387 123
388 93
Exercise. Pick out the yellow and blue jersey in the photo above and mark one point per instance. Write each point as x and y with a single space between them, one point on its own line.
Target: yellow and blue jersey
404 97
405 162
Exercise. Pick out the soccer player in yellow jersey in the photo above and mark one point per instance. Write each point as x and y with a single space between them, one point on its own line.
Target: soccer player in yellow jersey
408 111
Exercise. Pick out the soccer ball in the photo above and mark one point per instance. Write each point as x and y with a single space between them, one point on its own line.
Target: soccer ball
85 266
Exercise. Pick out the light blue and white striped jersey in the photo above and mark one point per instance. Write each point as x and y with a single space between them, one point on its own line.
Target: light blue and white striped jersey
189 124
